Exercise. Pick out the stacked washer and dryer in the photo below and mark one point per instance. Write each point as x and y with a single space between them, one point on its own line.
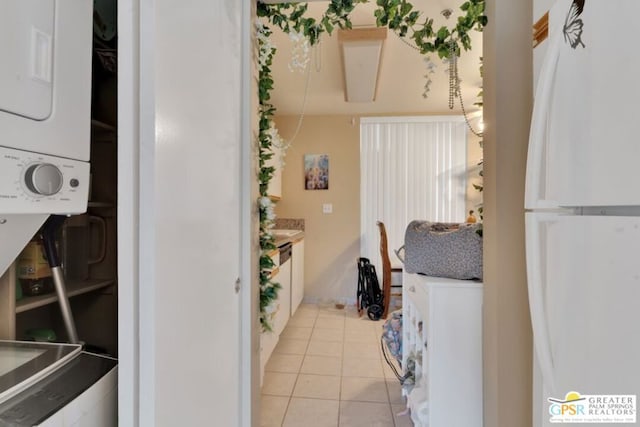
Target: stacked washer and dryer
45 120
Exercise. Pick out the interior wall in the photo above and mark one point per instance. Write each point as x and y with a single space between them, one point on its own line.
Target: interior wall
332 241
507 111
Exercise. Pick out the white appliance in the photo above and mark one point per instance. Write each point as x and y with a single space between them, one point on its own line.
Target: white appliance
45 115
583 206
55 385
45 119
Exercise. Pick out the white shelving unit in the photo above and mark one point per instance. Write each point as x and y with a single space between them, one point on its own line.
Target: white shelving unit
442 330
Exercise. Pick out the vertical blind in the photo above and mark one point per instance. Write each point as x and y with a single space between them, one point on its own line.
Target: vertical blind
410 168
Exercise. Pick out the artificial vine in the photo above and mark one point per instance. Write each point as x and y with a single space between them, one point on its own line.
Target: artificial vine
400 17
268 289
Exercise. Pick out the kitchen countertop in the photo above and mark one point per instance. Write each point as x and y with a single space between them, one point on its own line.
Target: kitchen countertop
283 237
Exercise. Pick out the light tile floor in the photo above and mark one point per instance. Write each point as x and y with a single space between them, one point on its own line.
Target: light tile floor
328 370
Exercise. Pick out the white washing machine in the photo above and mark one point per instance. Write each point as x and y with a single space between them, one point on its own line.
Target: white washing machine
45 115
56 385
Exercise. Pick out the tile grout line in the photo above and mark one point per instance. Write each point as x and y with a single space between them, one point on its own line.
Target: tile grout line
315 320
341 368
298 374
344 338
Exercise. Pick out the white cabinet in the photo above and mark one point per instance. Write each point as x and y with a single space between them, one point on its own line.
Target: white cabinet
290 275
284 295
269 339
442 330
297 275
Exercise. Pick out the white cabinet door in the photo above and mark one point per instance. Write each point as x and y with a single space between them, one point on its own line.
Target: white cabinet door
297 275
284 297
269 339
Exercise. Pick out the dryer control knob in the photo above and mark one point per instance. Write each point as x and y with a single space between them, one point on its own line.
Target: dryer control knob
43 178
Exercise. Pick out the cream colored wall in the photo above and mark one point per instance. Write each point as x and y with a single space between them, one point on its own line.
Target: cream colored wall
332 241
507 108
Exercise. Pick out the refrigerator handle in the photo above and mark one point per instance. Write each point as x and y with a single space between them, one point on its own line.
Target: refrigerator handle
535 194
535 267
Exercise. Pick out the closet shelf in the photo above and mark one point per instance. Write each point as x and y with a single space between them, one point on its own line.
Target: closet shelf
98 125
100 205
73 289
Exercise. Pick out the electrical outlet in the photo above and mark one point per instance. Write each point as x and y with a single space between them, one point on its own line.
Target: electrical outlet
327 208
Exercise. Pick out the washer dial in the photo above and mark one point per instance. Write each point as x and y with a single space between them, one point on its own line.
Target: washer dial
43 178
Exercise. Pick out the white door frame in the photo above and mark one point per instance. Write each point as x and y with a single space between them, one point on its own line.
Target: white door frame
136 124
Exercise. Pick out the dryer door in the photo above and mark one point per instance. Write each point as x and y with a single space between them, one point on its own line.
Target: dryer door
45 76
26 49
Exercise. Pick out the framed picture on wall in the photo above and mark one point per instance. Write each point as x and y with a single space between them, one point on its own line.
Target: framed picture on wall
316 171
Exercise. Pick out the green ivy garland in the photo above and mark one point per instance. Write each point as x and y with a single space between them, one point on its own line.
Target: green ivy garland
268 288
400 17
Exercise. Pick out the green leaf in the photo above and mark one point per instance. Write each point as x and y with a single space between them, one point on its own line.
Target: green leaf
443 51
412 18
328 27
443 33
405 8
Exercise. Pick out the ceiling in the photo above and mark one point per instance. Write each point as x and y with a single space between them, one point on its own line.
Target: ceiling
402 71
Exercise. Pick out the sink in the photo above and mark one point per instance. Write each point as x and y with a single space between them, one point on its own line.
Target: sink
283 232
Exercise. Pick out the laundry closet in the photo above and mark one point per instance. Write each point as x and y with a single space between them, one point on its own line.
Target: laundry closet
86 243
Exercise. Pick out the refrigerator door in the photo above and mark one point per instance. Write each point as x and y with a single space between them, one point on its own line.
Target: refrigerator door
583 148
584 289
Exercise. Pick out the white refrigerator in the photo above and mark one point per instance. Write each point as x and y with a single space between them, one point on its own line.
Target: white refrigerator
582 203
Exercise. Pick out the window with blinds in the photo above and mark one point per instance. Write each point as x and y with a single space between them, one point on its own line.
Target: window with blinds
410 168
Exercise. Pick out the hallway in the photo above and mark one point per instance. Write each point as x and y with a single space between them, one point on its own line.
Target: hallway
328 370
